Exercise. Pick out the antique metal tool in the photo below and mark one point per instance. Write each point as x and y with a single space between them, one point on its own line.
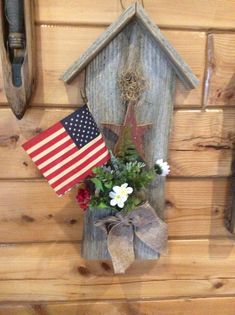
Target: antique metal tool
17 47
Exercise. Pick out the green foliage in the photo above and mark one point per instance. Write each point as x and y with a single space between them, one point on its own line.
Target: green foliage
116 173
125 167
126 150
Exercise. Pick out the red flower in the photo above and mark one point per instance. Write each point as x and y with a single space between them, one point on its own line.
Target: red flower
83 198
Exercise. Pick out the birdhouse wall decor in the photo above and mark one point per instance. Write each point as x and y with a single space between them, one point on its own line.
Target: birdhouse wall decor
130 75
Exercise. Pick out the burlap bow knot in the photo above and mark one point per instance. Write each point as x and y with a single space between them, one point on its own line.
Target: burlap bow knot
121 229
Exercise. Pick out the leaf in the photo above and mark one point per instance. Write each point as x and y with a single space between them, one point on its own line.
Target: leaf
95 170
108 185
102 205
98 184
126 149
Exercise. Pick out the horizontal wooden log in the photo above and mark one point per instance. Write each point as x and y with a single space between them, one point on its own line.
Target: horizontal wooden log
203 130
201 143
70 290
202 14
59 47
198 306
220 77
48 218
200 164
44 272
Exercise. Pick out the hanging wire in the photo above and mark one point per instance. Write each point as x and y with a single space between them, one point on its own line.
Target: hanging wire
123 7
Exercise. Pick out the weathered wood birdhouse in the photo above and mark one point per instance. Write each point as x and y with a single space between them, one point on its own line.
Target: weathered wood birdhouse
132 45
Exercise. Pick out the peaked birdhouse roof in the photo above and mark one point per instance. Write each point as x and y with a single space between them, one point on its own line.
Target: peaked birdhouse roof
135 10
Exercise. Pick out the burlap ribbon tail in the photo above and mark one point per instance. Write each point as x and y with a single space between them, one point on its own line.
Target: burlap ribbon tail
144 223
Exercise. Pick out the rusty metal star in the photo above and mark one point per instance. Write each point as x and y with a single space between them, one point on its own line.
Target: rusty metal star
136 132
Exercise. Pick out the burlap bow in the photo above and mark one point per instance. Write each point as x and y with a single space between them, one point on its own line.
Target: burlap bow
121 229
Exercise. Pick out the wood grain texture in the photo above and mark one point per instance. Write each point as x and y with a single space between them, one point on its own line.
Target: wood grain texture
133 49
70 290
197 278
220 79
198 306
136 12
49 218
186 259
100 43
182 70
59 47
201 143
194 15
192 268
19 97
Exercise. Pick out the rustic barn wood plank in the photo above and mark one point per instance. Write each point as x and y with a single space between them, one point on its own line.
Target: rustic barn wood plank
181 68
220 76
132 49
134 11
198 306
201 142
50 218
186 260
44 272
58 47
196 15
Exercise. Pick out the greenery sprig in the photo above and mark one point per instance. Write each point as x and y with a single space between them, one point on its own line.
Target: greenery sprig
121 184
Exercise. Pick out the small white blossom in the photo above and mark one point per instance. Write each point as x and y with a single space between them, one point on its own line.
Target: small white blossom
119 195
164 166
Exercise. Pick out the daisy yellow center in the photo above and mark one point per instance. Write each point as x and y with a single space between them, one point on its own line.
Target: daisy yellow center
122 192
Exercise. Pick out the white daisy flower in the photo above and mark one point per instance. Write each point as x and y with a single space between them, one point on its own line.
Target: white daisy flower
163 167
119 195
117 200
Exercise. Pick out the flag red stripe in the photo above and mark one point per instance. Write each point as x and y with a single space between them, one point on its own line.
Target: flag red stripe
76 159
55 151
59 159
81 177
42 136
79 168
48 144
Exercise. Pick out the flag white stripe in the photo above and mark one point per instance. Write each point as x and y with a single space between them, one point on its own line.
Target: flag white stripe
67 170
53 147
70 158
70 179
71 146
46 140
56 156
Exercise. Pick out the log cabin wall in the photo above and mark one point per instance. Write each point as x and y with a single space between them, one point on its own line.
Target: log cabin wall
41 270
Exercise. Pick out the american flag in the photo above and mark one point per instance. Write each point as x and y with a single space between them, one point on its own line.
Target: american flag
67 152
